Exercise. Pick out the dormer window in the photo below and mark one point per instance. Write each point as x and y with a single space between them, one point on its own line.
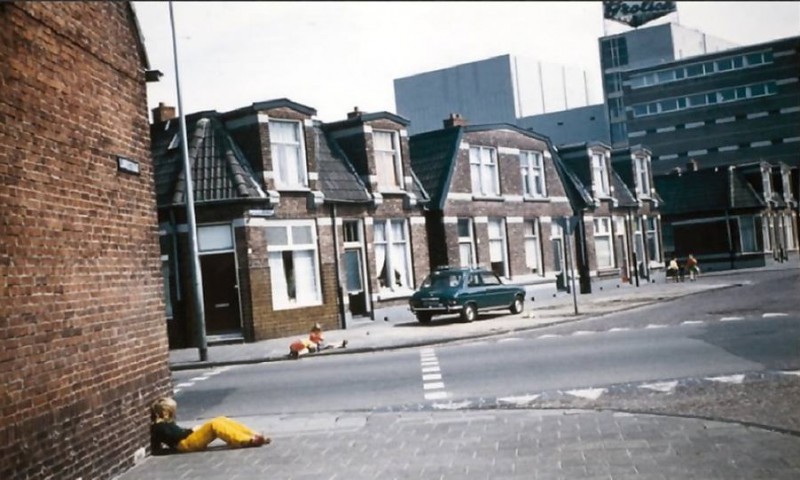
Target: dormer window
600 183
642 176
388 165
288 154
532 172
483 172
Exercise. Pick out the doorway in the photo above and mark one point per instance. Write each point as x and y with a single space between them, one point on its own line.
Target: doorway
220 294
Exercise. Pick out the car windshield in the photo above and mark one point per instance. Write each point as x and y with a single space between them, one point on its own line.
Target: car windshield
442 280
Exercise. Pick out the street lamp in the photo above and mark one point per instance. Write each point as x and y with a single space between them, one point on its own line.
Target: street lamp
197 278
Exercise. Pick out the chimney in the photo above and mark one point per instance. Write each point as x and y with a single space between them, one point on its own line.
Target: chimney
691 166
455 120
162 113
356 113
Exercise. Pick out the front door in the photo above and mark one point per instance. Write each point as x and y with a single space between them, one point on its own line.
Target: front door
354 268
220 293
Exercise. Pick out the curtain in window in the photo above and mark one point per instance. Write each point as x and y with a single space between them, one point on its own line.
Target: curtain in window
399 255
286 153
279 287
748 234
385 153
305 276
380 253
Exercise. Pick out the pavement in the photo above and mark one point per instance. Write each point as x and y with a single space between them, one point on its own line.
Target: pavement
505 439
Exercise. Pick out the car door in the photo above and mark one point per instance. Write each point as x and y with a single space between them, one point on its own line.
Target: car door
496 293
475 291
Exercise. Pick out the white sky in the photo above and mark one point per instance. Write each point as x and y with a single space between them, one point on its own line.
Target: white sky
333 56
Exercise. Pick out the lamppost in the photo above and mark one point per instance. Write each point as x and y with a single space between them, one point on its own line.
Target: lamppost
197 277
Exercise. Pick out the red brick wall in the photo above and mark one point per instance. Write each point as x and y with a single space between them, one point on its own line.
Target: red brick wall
83 346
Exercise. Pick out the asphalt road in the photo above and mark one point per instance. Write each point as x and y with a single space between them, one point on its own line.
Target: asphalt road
751 328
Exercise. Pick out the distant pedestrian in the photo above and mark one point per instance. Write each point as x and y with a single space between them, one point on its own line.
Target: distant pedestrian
314 343
692 267
673 269
166 436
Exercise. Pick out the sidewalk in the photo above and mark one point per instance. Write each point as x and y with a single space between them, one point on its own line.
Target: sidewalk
401 330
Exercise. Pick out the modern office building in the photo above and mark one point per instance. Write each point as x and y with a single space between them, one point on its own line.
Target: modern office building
644 48
494 90
731 107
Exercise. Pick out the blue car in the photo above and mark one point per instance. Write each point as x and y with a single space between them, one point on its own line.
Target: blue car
466 291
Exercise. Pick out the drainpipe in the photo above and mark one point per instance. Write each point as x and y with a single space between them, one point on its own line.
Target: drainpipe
728 218
339 290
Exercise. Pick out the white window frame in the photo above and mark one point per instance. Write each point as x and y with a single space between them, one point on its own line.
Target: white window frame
750 220
788 230
383 157
602 232
642 168
532 172
483 163
303 297
652 236
388 262
533 246
766 231
600 181
496 227
467 241
281 169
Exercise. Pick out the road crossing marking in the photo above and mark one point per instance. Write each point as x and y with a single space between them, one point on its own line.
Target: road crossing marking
205 376
665 387
432 383
590 393
728 379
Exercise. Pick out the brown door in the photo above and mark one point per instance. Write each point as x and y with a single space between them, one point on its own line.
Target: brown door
220 293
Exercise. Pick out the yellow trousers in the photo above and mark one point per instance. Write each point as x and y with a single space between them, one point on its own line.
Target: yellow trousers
230 431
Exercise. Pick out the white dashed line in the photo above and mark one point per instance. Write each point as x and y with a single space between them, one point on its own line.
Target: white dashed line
791 372
583 332
654 325
619 330
548 336
184 384
692 322
731 319
772 315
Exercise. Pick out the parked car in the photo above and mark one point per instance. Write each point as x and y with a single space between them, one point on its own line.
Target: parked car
466 291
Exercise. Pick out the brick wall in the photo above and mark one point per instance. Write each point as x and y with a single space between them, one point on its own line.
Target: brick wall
83 346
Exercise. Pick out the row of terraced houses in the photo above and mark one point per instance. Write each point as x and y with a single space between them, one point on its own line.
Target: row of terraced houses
336 221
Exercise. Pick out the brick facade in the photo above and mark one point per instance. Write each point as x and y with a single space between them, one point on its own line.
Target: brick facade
82 341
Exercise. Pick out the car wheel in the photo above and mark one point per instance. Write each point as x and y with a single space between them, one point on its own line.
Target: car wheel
424 317
469 313
516 307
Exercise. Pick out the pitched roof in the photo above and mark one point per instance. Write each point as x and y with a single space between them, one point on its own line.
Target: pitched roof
433 157
579 196
708 190
220 171
621 193
338 179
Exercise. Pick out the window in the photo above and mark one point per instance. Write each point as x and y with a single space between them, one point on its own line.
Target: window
615 108
652 240
532 171
466 243
747 234
392 256
602 243
483 171
642 176
619 133
212 238
388 166
293 264
557 242
789 238
765 232
288 154
533 248
497 246
599 175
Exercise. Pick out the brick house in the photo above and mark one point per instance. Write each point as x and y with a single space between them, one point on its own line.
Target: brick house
311 231
82 340
495 189
719 216
619 234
